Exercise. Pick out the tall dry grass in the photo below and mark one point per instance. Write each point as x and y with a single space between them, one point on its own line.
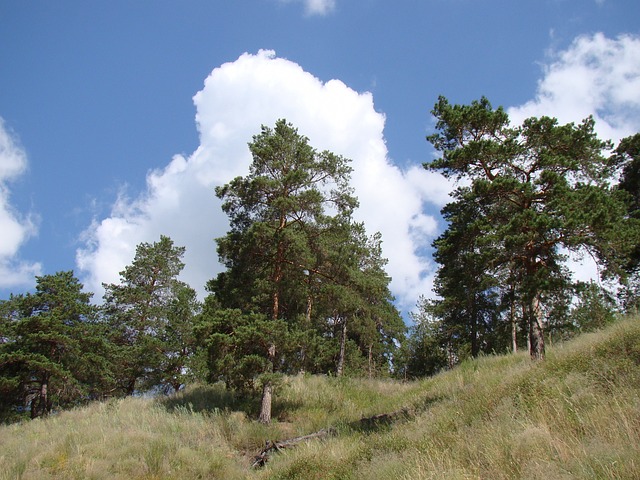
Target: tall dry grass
200 433
124 439
575 415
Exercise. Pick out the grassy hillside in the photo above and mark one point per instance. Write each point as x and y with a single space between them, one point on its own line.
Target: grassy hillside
576 415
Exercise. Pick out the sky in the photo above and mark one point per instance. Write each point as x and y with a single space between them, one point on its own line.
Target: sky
119 118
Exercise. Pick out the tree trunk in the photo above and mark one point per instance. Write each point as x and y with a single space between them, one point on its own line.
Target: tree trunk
536 330
343 344
267 389
130 388
40 404
514 328
474 325
265 406
371 360
275 313
451 355
277 272
307 326
527 325
309 310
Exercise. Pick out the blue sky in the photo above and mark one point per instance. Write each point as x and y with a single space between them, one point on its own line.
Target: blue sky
120 117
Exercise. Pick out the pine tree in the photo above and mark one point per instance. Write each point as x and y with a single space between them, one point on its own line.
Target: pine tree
298 268
52 353
273 214
541 187
627 156
150 314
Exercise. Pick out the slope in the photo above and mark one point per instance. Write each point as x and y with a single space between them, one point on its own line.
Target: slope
575 415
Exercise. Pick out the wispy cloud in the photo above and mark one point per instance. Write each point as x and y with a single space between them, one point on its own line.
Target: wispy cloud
315 7
16 228
237 98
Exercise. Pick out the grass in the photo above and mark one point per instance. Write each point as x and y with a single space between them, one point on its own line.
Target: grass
575 415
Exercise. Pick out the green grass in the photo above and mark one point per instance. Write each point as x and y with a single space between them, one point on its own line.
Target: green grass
575 415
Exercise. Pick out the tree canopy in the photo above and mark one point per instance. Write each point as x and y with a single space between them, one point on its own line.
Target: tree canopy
52 353
304 287
293 245
527 195
150 314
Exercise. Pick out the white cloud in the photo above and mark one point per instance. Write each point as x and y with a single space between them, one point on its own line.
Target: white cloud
315 7
595 76
319 7
16 229
236 99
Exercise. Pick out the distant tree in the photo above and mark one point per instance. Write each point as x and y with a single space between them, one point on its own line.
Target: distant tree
427 349
627 155
52 352
150 314
179 341
367 304
542 187
468 303
595 308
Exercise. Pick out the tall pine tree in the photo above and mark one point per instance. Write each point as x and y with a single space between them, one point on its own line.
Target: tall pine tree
291 247
542 187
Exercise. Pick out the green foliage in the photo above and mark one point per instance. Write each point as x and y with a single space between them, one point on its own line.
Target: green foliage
627 156
428 348
595 309
529 191
304 283
236 343
52 353
149 315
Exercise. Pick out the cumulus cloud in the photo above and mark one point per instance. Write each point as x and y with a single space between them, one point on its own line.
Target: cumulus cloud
595 76
16 228
237 98
315 7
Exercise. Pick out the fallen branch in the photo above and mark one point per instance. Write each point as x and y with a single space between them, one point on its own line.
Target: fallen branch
271 447
367 423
